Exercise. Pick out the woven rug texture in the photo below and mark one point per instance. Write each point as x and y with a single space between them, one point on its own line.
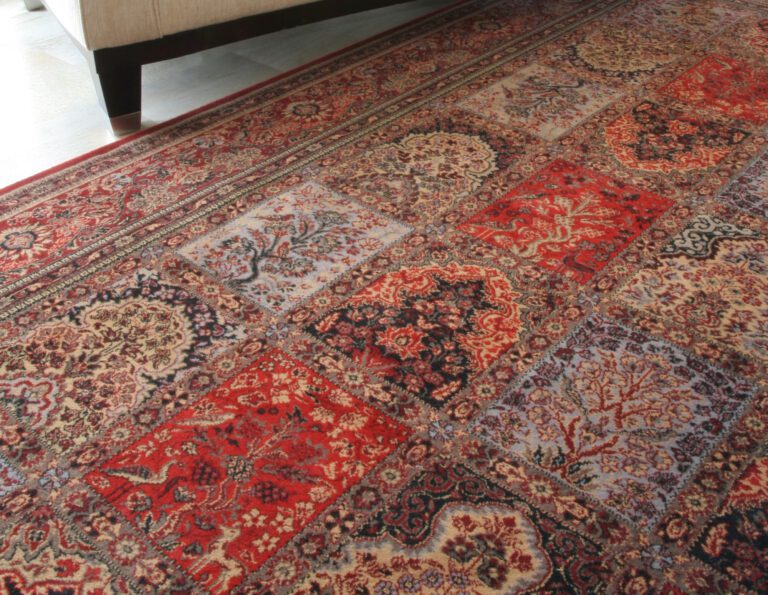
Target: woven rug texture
477 306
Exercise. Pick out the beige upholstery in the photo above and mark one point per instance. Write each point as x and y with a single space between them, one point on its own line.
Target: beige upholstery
181 15
100 24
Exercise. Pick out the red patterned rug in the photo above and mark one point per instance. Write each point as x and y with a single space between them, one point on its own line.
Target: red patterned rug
480 305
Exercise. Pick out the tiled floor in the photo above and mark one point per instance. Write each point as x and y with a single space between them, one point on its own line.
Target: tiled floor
48 108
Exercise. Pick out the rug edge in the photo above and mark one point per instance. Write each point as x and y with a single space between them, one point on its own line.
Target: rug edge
154 128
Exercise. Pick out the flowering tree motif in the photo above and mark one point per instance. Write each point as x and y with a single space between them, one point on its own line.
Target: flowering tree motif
227 482
286 245
541 100
535 94
568 219
725 85
606 405
618 415
292 245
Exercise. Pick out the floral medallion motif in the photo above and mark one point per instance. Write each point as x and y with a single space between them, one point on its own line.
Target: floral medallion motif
427 171
712 277
450 531
736 540
225 484
659 139
427 329
541 100
568 219
314 108
724 85
292 245
617 414
473 549
72 376
623 52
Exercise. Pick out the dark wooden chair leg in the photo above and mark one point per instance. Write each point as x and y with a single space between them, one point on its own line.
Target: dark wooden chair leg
116 71
119 89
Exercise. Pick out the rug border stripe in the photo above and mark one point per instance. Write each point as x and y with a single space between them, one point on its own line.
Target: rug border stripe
222 100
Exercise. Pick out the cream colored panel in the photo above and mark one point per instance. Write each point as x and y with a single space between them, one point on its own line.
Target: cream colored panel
180 15
67 12
107 23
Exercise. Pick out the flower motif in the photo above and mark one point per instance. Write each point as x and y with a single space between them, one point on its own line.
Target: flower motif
493 572
461 549
405 342
54 478
126 550
441 431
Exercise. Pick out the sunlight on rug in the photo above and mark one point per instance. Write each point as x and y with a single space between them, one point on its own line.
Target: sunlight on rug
478 306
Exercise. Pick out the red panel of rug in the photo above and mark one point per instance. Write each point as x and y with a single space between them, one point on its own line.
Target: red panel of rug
478 306
236 475
568 219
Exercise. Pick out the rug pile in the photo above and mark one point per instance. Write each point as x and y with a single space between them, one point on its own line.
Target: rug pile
478 306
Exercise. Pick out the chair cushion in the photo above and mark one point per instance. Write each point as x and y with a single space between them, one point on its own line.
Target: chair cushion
100 24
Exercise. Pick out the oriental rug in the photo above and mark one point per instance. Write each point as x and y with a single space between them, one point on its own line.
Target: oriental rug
480 305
